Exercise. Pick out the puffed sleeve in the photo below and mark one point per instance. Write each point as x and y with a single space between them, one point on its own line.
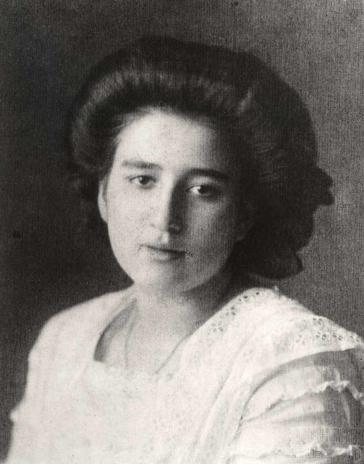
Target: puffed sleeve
307 411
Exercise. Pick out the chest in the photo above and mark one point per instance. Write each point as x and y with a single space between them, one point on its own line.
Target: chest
108 418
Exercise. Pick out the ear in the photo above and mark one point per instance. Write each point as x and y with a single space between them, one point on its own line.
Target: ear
101 200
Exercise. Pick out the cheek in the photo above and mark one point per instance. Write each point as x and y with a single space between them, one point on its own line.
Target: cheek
124 228
124 212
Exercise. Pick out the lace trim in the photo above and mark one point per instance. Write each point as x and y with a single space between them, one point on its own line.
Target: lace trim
337 386
312 449
260 443
340 387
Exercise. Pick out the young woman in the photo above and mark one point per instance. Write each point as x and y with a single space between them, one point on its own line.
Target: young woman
202 164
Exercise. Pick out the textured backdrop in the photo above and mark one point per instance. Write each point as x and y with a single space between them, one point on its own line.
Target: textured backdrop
47 47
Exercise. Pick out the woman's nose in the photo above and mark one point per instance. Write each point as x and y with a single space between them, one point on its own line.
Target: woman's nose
167 212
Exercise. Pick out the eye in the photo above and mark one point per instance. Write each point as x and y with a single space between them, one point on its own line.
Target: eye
142 181
207 191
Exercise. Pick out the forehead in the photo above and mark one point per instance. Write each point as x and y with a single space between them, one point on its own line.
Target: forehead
174 140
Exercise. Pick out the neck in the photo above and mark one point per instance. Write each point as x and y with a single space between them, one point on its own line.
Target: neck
179 312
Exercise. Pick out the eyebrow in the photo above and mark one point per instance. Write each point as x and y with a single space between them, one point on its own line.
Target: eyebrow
139 164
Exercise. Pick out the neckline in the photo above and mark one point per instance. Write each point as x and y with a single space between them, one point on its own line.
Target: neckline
124 304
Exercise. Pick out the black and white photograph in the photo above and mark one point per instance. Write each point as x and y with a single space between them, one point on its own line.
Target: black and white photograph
182 234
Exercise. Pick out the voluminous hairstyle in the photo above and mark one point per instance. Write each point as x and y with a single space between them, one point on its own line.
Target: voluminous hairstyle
260 114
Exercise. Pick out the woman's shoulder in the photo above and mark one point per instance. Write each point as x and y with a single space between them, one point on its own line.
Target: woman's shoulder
280 314
286 330
79 322
64 345
297 362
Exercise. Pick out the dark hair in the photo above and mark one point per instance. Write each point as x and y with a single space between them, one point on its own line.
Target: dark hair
261 114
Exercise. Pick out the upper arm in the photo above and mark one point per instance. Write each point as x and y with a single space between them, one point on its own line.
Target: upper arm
307 411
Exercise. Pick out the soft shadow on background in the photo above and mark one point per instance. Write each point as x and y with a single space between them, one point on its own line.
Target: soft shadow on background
47 261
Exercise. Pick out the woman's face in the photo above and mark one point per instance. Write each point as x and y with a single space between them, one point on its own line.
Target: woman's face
171 202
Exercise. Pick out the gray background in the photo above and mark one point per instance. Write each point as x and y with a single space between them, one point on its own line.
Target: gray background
47 47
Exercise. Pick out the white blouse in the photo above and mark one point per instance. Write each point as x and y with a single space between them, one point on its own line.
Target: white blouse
264 380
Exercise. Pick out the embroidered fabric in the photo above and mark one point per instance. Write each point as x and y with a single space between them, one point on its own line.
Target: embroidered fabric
263 380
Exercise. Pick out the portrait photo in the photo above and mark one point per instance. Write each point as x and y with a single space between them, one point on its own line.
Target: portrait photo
182 232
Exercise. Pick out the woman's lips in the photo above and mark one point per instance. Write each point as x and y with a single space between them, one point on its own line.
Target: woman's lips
163 254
